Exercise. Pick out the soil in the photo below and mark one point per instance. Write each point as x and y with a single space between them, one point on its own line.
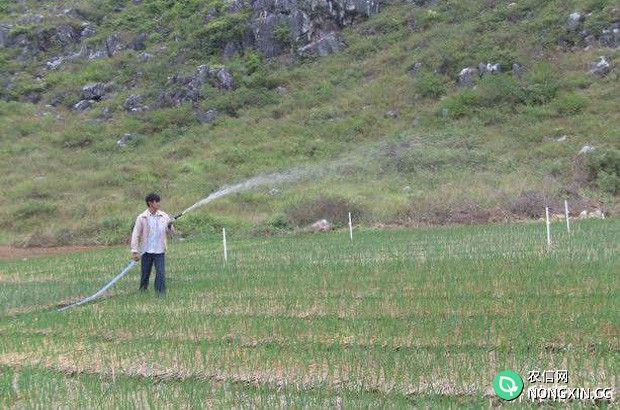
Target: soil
9 252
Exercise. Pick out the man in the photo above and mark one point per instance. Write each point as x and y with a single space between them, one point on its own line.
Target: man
149 240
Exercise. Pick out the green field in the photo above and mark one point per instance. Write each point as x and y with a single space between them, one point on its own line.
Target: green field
394 318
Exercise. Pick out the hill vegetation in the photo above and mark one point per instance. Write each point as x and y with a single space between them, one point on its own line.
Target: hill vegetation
105 101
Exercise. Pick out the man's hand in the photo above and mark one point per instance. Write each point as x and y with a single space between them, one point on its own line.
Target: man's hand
135 256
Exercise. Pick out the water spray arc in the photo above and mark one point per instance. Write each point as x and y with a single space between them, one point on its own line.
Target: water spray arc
356 159
289 176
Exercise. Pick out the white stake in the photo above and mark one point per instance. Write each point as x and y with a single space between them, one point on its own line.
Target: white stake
548 227
350 228
567 217
225 250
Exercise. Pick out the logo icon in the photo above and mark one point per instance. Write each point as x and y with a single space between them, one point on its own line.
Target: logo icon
508 385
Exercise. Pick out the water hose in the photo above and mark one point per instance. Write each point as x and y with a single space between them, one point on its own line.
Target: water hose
108 285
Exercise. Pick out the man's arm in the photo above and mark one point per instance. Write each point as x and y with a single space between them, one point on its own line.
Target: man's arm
135 238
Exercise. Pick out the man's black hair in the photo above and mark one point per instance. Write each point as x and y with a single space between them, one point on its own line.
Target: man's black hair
152 197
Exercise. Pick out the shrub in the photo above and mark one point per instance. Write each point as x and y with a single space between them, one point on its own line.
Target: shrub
570 103
462 104
529 204
334 209
429 84
542 84
497 90
282 33
604 167
32 209
221 30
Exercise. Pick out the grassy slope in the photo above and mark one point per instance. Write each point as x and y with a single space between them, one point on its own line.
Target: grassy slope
66 181
393 319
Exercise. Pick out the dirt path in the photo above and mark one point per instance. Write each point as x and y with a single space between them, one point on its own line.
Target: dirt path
9 252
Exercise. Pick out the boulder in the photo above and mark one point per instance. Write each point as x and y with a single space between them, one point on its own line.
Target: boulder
467 77
586 149
574 20
601 68
5 39
414 69
144 57
225 79
308 22
54 63
597 213
83 105
206 117
66 35
488 68
134 103
138 43
321 226
393 113
610 37
93 91
125 140
517 70
328 44
87 31
108 48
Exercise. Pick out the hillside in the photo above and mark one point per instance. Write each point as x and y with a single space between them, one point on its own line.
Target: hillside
440 112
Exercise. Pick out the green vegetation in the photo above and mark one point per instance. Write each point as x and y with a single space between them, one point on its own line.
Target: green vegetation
470 149
394 318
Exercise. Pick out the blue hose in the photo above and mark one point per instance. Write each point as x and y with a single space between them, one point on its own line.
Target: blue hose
101 291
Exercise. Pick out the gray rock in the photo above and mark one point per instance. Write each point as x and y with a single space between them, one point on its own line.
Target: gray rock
108 48
590 40
5 31
225 79
206 117
106 114
274 192
282 90
407 189
328 44
31 20
394 113
610 37
144 57
66 35
54 63
134 103
73 13
586 149
93 91
600 69
321 226
467 77
83 105
597 213
125 140
488 68
309 22
574 21
232 49
414 69
87 31
138 43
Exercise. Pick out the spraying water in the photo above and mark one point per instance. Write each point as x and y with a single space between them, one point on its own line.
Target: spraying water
359 158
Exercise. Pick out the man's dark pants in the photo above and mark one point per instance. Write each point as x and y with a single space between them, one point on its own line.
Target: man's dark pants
159 260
